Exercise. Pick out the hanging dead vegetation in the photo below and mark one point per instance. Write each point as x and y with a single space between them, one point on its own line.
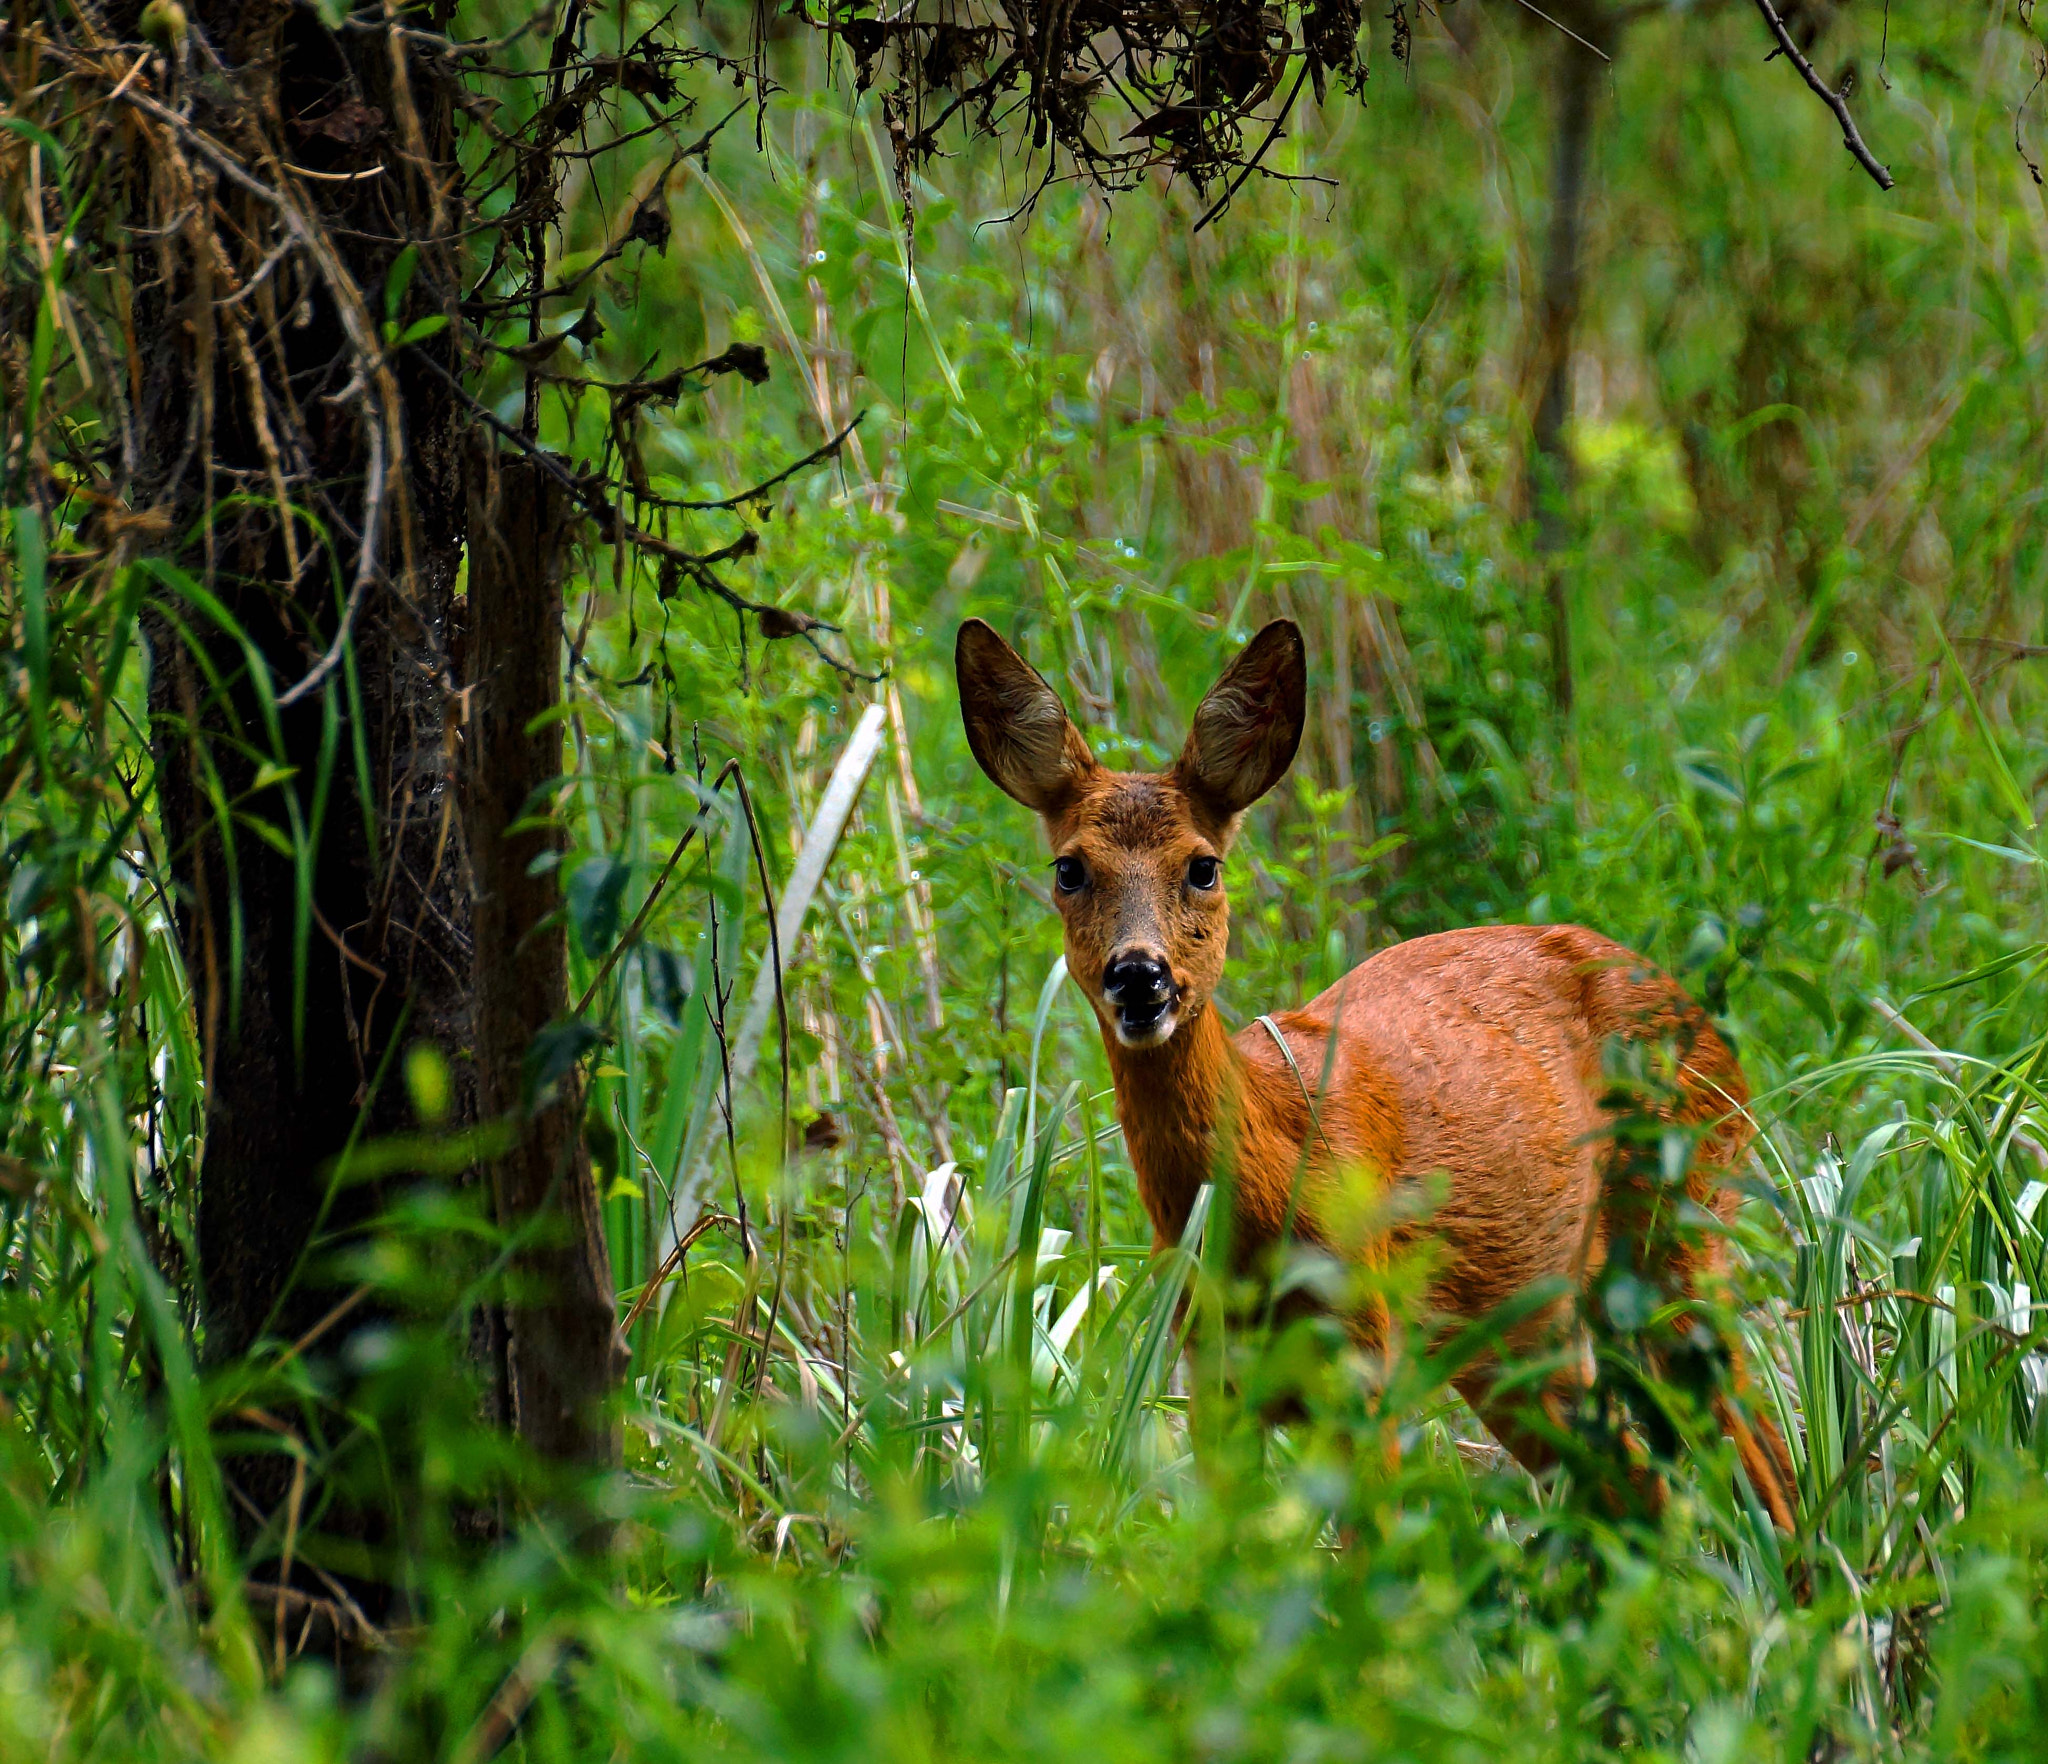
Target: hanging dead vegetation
1109 91
1119 89
288 283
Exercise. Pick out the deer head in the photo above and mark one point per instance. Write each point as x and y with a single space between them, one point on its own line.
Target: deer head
1138 864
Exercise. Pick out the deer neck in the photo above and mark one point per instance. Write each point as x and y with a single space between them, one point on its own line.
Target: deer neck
1173 1101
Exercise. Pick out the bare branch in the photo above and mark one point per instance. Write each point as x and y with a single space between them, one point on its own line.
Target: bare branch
775 622
817 454
1827 95
1559 24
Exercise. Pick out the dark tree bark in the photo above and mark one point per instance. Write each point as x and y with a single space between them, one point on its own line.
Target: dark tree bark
566 1354
314 968
1578 73
301 1012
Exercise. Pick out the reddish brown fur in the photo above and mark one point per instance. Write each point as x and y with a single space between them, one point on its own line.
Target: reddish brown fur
1472 1054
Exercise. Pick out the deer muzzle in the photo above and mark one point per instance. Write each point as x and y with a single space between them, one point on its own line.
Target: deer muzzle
1140 989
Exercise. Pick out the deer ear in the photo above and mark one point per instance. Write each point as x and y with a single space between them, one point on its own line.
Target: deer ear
1245 732
1015 722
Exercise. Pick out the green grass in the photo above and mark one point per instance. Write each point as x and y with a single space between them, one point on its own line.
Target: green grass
912 1467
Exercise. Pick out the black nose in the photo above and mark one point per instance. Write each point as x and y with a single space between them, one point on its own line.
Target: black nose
1137 983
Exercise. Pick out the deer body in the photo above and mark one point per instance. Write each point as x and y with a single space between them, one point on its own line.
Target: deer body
1472 1055
1475 1053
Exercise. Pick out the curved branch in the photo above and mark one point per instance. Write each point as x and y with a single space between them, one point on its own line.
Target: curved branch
1832 99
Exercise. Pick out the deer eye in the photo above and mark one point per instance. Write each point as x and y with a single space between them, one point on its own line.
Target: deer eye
1069 875
1202 872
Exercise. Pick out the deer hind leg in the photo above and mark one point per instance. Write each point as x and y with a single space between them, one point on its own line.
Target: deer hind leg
1760 1446
1714 1099
1736 1403
1509 1419
1529 1425
1738 1409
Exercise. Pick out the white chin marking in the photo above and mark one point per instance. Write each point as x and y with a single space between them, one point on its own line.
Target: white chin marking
1152 1035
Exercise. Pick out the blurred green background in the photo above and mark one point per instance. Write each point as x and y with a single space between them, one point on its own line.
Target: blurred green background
909 1468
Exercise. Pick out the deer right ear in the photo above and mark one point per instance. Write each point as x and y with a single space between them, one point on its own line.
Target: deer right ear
1015 722
1247 729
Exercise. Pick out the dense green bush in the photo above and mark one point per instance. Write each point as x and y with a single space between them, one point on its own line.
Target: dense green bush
910 1469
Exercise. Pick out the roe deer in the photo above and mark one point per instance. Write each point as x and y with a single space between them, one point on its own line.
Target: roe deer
1473 1053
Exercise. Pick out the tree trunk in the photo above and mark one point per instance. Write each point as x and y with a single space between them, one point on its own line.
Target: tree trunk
566 1354
268 389
1577 74
307 970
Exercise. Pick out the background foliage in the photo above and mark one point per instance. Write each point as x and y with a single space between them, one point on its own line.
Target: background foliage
909 1467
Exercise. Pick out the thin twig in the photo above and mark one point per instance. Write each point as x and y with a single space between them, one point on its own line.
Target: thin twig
502 1715
732 770
321 1328
640 918
354 177
1559 24
1251 165
1827 95
671 1262
618 530
371 368
816 456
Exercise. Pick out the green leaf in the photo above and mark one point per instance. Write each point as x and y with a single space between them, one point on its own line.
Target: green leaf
1807 992
2001 773
429 1083
1703 772
28 131
551 1058
669 980
1708 941
397 279
31 551
2016 853
597 888
1983 971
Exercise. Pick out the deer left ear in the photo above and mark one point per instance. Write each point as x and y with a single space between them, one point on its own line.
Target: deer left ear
1015 722
1246 731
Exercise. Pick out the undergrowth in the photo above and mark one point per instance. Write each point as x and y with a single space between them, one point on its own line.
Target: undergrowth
912 1467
